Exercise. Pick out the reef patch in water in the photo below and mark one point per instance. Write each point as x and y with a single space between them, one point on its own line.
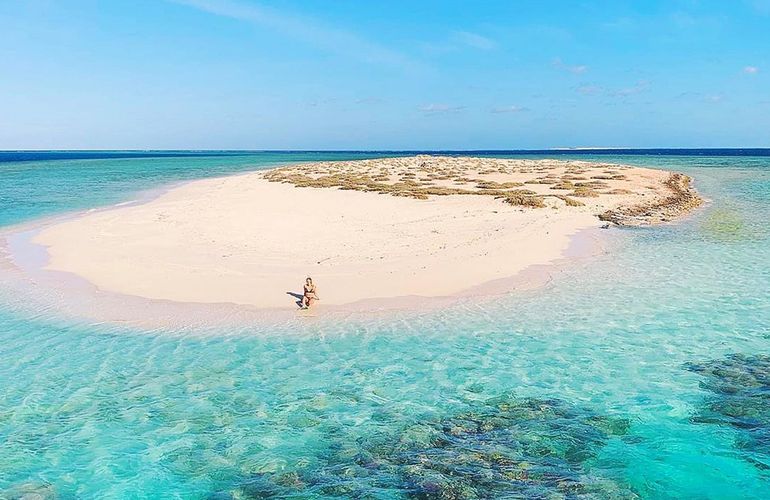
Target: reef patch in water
506 447
29 491
740 387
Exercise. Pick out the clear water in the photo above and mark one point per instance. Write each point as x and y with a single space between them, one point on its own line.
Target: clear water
369 409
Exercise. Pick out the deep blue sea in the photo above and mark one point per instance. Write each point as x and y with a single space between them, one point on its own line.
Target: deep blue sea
643 373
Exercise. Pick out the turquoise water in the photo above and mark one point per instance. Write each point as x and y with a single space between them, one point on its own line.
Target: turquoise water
618 380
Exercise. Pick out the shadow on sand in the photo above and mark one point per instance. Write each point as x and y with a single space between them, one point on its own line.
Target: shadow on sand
297 296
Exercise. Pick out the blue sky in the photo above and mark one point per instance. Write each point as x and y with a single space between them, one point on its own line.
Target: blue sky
352 74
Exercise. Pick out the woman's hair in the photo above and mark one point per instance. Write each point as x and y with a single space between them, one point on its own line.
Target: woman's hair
309 279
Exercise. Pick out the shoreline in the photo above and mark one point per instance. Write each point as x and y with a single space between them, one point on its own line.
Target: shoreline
77 296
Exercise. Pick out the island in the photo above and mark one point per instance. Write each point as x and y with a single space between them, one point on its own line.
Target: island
384 228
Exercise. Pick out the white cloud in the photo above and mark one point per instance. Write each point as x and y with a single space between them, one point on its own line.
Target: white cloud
699 96
589 89
594 90
306 29
640 87
751 70
508 109
370 100
458 40
474 40
433 109
576 69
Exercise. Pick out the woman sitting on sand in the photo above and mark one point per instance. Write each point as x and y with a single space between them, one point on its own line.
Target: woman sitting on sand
310 293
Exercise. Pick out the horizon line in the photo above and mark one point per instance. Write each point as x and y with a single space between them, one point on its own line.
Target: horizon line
417 150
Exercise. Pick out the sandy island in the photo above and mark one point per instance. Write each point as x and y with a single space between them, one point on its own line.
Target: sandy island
422 225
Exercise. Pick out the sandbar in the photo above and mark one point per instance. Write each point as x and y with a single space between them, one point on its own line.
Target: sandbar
424 226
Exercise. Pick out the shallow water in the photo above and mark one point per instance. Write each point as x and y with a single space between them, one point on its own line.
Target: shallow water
585 388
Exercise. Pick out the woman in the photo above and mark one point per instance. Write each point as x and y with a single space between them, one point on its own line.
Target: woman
310 293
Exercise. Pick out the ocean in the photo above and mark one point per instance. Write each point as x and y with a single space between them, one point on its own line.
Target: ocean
643 372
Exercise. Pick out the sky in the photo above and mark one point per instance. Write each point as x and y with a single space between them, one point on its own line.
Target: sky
352 74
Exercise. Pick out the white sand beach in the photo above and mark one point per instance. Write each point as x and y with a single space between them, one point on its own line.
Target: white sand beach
249 239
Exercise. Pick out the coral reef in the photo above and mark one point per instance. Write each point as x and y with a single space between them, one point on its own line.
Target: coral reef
506 447
740 387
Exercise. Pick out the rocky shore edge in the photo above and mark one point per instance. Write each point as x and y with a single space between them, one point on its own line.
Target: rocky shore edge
682 200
